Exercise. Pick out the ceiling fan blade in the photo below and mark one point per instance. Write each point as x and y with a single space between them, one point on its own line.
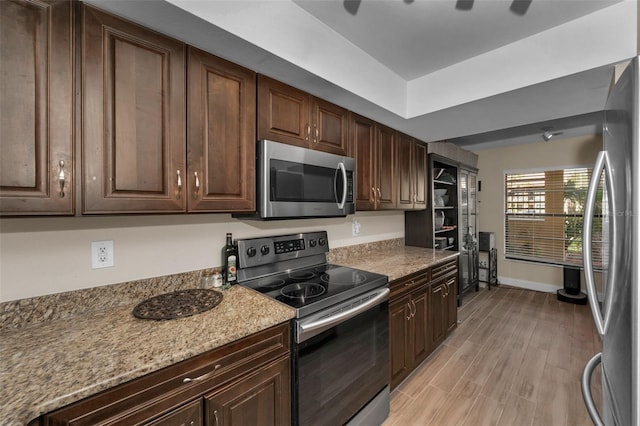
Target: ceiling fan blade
520 7
464 4
351 6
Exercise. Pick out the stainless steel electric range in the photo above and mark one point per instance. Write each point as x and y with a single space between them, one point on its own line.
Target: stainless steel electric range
340 336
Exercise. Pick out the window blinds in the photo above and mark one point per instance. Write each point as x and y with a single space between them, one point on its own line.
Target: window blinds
544 216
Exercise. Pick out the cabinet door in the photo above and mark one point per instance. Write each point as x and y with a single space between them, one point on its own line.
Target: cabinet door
260 399
188 415
399 340
437 313
420 176
329 132
386 168
221 135
451 303
406 172
36 123
283 113
133 121
420 320
363 139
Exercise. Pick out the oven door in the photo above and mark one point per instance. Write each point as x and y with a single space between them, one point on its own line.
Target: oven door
300 182
342 366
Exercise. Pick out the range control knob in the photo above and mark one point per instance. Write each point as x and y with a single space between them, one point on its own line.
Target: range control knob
312 243
322 241
264 250
251 251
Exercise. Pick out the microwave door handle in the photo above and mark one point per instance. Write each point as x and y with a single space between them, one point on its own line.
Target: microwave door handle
344 185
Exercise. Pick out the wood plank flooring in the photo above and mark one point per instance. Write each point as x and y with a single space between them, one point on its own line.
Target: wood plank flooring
515 359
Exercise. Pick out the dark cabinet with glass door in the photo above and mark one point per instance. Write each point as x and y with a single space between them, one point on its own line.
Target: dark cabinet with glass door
468 233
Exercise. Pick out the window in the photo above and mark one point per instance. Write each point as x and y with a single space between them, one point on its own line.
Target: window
543 216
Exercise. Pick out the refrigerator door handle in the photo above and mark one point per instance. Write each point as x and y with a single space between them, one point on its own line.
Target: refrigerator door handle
601 319
586 389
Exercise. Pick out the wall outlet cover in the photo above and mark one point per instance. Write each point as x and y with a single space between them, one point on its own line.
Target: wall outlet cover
102 254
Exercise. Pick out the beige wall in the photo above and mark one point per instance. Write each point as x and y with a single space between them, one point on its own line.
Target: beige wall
493 163
50 255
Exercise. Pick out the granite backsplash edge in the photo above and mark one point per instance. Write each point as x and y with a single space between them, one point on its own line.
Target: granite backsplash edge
34 310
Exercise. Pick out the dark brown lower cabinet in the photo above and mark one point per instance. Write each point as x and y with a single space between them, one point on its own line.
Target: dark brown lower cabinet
261 399
423 311
246 382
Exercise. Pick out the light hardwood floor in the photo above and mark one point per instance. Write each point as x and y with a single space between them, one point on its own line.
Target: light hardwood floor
515 359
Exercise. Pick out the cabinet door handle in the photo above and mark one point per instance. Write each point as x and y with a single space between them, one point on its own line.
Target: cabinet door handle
195 194
215 416
203 377
379 194
179 185
316 138
415 309
61 178
410 314
373 190
308 132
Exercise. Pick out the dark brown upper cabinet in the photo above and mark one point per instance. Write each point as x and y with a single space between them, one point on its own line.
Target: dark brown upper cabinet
133 121
291 116
386 172
412 173
221 135
374 148
37 174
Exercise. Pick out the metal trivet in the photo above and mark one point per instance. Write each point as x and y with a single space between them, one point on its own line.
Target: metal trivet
178 304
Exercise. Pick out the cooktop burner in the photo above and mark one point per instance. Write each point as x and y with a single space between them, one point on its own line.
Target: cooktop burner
303 290
356 277
301 275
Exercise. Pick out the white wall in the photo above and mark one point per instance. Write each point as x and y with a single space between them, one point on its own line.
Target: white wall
493 163
50 255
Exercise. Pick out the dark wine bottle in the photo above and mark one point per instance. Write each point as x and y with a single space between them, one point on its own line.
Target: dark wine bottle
230 261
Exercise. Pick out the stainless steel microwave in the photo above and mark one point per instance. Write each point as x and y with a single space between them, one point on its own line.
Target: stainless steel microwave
294 182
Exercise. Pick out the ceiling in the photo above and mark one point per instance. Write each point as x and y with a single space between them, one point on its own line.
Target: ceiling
416 38
481 77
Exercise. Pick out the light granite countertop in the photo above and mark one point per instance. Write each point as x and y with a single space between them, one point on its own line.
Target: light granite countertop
58 349
395 262
48 365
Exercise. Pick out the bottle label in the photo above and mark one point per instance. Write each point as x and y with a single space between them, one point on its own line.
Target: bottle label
231 269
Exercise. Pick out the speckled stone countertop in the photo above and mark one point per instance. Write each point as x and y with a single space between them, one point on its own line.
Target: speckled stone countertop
391 259
47 365
57 349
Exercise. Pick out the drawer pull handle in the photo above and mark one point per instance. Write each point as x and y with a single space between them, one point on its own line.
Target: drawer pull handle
410 283
203 377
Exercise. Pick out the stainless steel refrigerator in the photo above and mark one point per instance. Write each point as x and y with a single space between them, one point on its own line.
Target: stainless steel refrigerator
616 315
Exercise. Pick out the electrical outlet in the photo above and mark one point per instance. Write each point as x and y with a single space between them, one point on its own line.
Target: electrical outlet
355 228
101 254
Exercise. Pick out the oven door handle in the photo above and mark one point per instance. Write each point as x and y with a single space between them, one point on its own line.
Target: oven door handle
336 319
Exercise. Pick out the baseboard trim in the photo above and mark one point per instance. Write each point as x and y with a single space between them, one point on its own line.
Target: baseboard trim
529 285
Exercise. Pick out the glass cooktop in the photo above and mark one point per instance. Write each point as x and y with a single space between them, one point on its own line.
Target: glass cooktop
313 288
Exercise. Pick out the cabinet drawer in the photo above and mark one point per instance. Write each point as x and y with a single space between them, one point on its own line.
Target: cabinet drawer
408 283
444 269
157 393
